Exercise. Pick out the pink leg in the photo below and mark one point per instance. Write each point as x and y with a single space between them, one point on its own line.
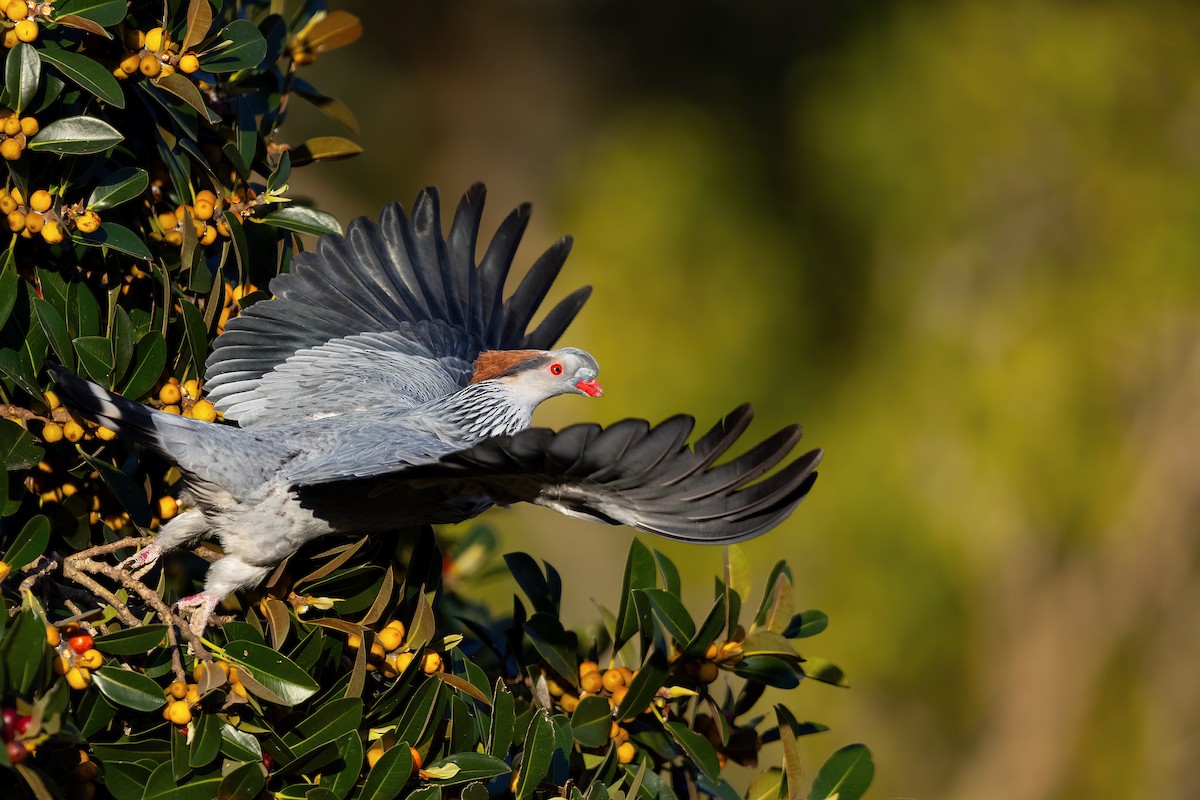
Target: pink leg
205 604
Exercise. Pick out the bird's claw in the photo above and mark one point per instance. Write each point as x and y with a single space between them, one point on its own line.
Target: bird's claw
142 561
203 604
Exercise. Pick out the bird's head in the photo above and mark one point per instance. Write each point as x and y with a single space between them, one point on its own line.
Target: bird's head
541 374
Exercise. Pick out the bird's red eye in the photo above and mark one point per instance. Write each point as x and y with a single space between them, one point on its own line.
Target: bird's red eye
556 369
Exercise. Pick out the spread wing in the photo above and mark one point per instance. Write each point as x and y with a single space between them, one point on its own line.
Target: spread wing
387 316
628 473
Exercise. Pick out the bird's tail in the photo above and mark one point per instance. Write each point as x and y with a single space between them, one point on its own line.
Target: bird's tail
135 421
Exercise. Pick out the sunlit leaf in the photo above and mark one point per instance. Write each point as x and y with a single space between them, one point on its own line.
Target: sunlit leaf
132 641
240 45
129 689
22 69
591 721
102 12
273 670
847 774
86 73
30 543
302 220
697 748
387 778
324 148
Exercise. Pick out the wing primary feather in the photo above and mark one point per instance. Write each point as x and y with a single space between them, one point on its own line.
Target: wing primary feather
493 270
521 306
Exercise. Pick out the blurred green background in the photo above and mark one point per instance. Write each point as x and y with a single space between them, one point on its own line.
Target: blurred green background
959 243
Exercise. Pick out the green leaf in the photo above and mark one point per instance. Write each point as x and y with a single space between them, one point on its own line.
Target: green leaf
538 751
103 12
792 766
331 107
302 220
708 631
161 785
820 669
806 623
132 641
245 782
671 614
471 767
766 786
592 721
281 676
129 689
241 46
86 73
149 361
121 332
17 446
553 644
56 331
199 20
387 778
95 356
116 237
82 311
847 774
421 713
697 748
30 543
118 187
196 333
240 745
645 685
22 70
24 652
639 574
779 613
206 741
762 643
76 136
781 568
529 577
327 148
769 670
8 289
183 88
500 735
328 723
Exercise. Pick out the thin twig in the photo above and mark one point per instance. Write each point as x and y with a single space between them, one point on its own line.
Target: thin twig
73 573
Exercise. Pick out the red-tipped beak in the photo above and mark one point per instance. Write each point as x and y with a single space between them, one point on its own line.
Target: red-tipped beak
590 388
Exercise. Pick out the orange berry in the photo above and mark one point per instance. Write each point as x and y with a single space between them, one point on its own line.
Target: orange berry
87 222
52 636
391 638
626 752
590 682
150 66
156 40
178 690
204 411
29 126
41 200
178 713
16 10
613 679
53 234
91 659
26 30
588 666
188 63
169 394
78 678
431 663
34 222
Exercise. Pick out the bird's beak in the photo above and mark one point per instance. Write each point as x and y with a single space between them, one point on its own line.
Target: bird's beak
590 388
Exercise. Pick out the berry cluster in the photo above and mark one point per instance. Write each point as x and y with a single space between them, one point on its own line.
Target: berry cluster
15 133
184 399
153 54
20 21
389 655
38 216
204 212
77 656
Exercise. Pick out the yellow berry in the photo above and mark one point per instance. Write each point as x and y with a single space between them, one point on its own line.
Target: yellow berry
78 678
239 690
34 223
403 660
89 659
612 679
588 666
12 126
171 409
87 222
712 652
29 126
191 388
167 508
61 665
168 221
169 394
188 63
373 756
156 40
16 220
26 30
179 713
7 204
178 690
204 411
53 637
207 196
52 232
41 200
614 731
626 753
52 432
10 38
391 638
130 63
618 695
431 663
202 209
166 71
135 39
193 694
73 431
354 641
16 195
569 703
16 10
173 237
10 149
591 682
150 66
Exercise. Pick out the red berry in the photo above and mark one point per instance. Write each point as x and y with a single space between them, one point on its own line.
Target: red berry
9 717
22 725
16 752
81 643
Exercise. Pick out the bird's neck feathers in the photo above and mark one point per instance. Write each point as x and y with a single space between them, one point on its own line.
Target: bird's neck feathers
490 407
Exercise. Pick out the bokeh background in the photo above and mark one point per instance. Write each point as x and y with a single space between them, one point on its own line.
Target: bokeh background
959 242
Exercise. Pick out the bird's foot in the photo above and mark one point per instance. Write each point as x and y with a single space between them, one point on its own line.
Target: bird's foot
203 604
142 561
